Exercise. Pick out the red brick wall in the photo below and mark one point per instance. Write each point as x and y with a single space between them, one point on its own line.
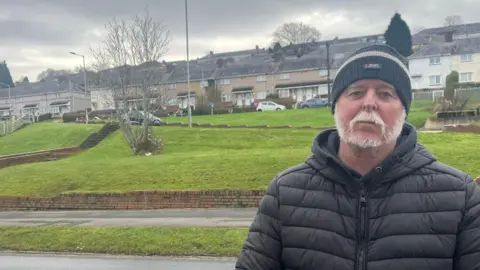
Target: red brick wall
463 129
138 200
39 156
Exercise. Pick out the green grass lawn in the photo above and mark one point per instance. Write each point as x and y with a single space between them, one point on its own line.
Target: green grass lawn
126 241
198 159
318 117
45 136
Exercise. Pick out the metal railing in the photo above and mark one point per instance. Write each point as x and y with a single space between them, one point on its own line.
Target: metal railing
9 126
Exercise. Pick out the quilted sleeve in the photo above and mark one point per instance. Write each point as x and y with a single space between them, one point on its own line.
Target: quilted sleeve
263 248
467 254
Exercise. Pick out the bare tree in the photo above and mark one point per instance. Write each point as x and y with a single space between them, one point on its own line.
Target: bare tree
127 62
453 21
296 33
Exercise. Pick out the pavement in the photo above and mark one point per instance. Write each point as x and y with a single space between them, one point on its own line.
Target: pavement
20 261
229 217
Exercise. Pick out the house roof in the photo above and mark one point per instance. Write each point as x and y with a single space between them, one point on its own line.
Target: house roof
304 62
197 72
456 47
469 28
38 88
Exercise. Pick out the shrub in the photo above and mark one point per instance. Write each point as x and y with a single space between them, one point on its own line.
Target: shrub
72 116
44 117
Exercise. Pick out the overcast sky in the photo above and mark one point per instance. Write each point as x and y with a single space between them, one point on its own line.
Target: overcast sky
38 34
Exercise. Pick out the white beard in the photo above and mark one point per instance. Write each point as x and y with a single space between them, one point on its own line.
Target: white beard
388 134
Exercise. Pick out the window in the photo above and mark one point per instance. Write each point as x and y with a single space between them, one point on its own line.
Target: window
323 72
465 58
226 98
172 101
55 109
225 81
283 93
435 61
465 77
284 76
261 78
435 80
173 86
261 95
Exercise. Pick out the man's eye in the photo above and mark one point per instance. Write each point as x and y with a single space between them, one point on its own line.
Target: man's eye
385 94
355 93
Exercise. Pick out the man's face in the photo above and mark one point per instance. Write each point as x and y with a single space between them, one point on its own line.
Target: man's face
369 114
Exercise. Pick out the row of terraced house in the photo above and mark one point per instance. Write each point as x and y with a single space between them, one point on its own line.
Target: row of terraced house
245 76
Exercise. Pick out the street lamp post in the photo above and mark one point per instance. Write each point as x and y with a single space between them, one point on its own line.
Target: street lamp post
327 44
188 68
85 84
9 97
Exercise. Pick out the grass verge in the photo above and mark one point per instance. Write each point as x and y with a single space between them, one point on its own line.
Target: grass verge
318 117
199 159
45 136
126 241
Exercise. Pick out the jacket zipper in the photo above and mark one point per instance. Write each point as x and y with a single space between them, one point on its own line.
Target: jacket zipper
361 262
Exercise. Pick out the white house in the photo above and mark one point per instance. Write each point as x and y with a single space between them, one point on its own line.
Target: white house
56 97
430 66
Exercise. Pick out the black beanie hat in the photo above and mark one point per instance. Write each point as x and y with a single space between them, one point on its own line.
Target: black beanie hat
378 61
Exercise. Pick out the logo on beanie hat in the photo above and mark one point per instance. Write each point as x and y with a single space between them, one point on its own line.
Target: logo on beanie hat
372 66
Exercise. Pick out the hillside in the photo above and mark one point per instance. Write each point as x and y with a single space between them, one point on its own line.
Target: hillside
198 159
45 136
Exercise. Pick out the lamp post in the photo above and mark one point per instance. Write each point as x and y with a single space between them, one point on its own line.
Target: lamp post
188 68
85 83
9 97
327 44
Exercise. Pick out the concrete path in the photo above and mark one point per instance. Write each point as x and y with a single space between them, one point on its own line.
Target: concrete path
17 261
153 218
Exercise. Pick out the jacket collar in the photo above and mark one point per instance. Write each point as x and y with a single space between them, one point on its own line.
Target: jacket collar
407 157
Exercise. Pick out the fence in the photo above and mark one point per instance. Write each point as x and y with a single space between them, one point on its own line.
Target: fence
9 126
433 95
428 95
470 93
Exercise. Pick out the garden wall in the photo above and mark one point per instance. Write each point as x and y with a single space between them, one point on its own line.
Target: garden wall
137 200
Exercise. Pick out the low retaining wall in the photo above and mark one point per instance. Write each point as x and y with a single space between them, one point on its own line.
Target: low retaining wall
47 155
463 129
137 200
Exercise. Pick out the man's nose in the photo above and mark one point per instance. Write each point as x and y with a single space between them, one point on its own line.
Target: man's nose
370 100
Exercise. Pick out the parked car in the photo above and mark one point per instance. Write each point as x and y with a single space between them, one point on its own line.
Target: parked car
314 103
137 118
269 106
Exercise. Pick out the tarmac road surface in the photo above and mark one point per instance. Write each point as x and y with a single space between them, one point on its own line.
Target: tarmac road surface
225 217
20 261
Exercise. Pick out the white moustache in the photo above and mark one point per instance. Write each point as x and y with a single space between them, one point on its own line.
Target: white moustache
370 117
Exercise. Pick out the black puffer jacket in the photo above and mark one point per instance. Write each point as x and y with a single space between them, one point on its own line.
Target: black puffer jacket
410 212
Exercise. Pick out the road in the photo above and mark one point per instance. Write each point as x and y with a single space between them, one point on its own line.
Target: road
155 218
104 262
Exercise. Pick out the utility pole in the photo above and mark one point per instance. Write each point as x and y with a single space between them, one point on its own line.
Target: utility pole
85 83
188 68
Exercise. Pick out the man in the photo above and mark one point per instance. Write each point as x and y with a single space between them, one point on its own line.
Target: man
370 196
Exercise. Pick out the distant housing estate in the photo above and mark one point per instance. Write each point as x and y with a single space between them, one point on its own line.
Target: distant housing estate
248 75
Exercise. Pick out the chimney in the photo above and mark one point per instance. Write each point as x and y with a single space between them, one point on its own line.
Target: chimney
449 36
211 53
